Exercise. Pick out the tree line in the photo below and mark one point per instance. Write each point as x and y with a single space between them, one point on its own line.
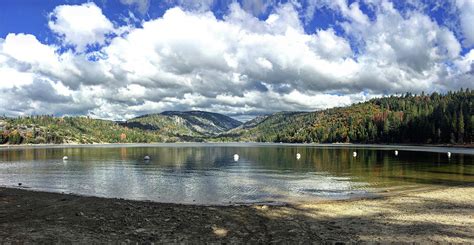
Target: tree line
425 119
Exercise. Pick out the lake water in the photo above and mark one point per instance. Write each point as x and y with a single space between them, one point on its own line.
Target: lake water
208 173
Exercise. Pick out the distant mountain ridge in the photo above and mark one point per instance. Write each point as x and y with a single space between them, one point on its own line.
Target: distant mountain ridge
208 121
185 123
421 119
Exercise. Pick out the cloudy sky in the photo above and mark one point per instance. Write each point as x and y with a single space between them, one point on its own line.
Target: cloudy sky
116 59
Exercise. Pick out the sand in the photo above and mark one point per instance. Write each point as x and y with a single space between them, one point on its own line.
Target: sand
441 214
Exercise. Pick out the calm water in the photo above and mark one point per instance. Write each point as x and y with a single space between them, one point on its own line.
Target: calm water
208 174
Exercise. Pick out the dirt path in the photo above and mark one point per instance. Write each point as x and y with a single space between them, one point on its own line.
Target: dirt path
441 215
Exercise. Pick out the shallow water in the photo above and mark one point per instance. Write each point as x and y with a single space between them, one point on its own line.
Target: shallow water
208 174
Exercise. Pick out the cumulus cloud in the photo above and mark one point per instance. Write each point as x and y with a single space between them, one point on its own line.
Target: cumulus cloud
466 9
239 65
80 25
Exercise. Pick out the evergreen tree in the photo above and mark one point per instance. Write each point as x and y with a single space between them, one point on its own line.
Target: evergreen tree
461 128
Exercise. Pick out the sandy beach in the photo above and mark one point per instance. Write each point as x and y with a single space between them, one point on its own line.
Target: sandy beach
444 214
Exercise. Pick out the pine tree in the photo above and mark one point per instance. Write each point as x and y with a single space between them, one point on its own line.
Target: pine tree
461 127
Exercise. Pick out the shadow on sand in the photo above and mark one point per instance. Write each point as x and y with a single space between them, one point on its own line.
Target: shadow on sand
47 217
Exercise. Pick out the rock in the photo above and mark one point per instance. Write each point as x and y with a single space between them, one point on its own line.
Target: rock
140 230
79 214
219 231
264 207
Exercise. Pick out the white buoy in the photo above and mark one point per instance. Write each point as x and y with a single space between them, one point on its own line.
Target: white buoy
354 154
396 153
146 158
449 154
236 157
298 156
65 158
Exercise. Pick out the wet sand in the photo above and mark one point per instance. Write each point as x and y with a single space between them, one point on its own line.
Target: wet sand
443 214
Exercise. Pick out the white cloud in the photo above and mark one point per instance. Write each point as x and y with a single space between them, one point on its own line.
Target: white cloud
80 25
27 49
466 64
466 9
238 65
330 46
11 78
353 12
264 63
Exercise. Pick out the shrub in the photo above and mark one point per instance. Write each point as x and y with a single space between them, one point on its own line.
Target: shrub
15 138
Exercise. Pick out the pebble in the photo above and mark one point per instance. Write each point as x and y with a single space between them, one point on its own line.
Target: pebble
140 230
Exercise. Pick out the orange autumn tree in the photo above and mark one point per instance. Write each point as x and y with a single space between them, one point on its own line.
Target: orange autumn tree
123 137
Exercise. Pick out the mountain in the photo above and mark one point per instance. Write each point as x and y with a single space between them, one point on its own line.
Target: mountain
169 126
184 124
421 119
205 122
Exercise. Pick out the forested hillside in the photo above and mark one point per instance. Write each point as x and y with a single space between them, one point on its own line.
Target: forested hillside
426 119
420 119
84 130
164 127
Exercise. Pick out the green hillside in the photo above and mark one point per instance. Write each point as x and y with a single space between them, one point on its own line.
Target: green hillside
410 118
421 119
164 127
49 129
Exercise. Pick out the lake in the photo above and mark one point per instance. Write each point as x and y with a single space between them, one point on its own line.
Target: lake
206 173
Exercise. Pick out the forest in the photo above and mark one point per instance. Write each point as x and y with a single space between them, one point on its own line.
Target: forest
409 119
47 129
421 119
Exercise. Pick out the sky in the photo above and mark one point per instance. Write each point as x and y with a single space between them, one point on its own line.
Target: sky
117 59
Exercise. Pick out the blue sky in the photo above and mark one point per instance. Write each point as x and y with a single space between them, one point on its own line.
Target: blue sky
117 59
30 16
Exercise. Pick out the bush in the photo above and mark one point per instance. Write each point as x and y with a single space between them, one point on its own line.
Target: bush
15 138
3 138
40 140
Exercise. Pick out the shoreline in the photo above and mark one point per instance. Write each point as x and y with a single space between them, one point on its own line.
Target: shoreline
408 147
444 214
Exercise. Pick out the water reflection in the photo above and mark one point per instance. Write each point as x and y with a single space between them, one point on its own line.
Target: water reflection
209 174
